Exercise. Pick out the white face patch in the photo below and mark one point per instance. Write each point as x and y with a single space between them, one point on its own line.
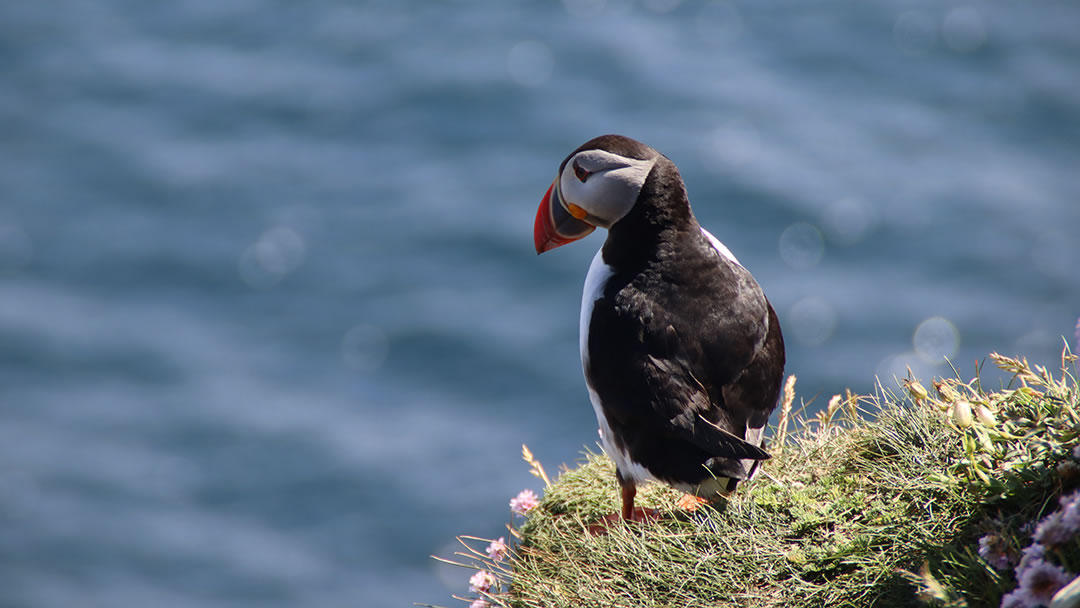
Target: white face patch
612 184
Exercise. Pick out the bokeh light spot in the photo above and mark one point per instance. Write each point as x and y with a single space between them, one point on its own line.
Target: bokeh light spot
936 339
914 33
801 246
896 366
530 63
730 146
364 348
963 29
277 252
847 221
812 320
449 575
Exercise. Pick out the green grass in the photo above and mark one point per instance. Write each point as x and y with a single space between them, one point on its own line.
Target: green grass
878 501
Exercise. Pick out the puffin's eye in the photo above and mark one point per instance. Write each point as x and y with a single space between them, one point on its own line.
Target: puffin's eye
580 173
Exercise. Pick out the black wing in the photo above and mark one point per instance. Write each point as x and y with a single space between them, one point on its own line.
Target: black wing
685 363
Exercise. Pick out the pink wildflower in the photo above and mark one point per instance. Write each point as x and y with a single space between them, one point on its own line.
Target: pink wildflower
479 603
1041 581
995 550
1071 511
497 550
1030 555
1014 599
524 502
1052 531
481 582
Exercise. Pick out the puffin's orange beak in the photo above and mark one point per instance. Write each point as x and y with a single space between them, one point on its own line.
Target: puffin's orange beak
554 225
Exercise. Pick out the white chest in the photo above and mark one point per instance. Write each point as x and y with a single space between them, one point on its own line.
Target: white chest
595 280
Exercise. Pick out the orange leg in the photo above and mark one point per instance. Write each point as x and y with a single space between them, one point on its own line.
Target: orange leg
629 511
629 490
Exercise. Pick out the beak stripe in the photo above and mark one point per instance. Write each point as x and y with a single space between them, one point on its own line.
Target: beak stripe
557 224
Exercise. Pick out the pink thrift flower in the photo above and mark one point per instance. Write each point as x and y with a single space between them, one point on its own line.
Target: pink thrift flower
1070 512
1052 531
1030 555
524 502
1014 599
1041 581
480 603
995 551
481 582
497 550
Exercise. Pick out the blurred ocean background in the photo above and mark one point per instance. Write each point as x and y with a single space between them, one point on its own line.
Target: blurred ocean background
272 329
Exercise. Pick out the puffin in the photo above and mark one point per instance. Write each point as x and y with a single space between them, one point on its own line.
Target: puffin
682 352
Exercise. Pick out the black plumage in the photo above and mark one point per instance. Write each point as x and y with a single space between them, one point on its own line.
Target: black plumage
684 350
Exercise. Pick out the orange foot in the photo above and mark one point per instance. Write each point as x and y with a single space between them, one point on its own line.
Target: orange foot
691 503
641 515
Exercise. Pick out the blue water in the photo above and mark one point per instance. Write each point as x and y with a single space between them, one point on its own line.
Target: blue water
272 329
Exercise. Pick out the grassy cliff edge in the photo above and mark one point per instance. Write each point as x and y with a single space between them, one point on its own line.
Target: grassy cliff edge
911 497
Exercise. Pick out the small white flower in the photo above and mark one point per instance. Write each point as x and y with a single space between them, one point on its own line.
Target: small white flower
961 414
985 416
